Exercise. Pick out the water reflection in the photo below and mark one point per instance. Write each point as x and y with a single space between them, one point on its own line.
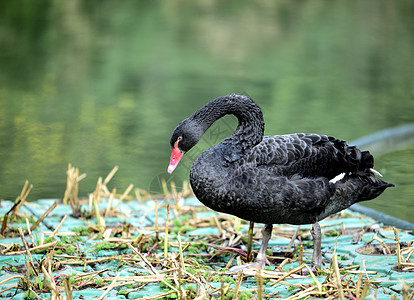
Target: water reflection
99 83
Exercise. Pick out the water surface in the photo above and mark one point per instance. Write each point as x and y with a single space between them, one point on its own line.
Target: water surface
104 83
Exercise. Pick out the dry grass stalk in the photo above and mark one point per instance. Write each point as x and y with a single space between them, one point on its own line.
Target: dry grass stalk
404 289
376 238
187 191
158 296
110 287
85 261
91 274
223 290
7 289
101 189
175 195
363 272
166 233
32 249
409 251
343 229
30 232
143 195
337 277
23 196
68 287
317 283
167 195
60 225
98 193
49 233
306 293
272 275
151 269
364 291
301 256
134 241
180 248
297 269
49 277
35 294
99 219
293 238
365 269
72 187
124 195
6 216
350 268
358 285
110 175
239 280
109 205
156 220
218 225
32 265
259 280
203 292
398 248
236 224
138 279
11 278
7 247
45 214
249 241
137 193
28 268
229 263
52 233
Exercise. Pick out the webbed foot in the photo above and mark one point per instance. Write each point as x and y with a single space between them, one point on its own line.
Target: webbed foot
261 259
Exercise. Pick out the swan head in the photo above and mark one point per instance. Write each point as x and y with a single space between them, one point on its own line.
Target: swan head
185 136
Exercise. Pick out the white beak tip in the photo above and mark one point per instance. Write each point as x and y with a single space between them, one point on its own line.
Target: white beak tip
171 169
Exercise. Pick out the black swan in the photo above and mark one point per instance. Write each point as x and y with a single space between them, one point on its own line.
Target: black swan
296 178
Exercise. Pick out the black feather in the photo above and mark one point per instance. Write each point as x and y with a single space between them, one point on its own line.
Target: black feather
274 179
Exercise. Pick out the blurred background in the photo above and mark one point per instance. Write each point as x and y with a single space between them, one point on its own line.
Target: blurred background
104 83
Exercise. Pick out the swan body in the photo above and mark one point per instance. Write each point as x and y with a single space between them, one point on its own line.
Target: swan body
296 178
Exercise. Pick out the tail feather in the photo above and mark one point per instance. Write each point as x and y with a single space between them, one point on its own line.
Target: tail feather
353 159
372 187
351 189
367 161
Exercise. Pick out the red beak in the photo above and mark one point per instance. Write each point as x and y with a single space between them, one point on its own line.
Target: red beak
176 156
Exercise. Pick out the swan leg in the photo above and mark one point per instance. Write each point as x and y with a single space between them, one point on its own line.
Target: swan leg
317 253
261 259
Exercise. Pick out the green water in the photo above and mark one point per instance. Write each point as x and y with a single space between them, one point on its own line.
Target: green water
104 83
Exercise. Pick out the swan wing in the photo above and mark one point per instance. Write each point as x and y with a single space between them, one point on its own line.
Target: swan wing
306 155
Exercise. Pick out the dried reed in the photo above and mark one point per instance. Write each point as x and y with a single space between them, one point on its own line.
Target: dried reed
176 269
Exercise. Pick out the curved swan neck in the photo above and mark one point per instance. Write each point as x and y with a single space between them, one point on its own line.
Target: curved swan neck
250 129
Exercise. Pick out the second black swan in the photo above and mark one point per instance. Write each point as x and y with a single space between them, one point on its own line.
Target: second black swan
295 179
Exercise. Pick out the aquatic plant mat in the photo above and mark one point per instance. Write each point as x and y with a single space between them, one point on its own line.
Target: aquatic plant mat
115 246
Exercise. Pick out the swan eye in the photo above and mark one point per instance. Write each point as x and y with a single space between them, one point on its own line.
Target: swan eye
179 138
